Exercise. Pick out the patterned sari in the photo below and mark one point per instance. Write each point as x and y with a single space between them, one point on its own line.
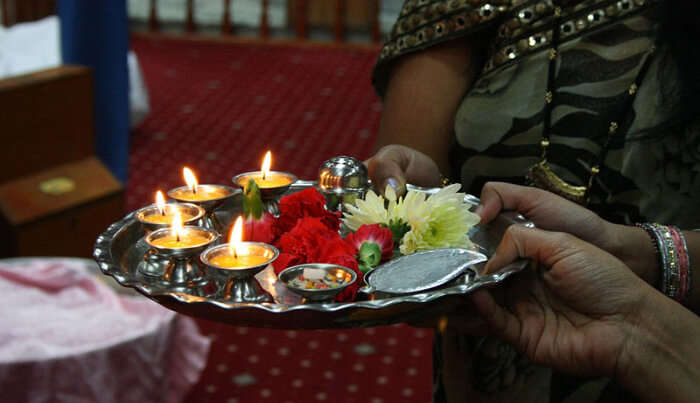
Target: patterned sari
650 172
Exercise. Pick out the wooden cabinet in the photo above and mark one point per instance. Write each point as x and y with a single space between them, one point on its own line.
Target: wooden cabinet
47 120
59 211
56 197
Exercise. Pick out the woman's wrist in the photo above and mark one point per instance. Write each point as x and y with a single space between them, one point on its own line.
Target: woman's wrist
657 361
637 251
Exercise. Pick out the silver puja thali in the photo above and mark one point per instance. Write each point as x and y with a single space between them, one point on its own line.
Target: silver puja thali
121 250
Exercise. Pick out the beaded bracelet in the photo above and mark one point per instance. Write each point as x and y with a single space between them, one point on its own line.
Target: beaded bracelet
674 260
683 259
661 250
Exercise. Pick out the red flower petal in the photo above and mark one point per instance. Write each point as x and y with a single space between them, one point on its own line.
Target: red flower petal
306 203
259 230
350 293
312 241
285 260
336 247
308 233
373 233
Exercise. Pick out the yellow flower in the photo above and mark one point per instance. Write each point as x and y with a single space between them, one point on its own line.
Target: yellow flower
441 221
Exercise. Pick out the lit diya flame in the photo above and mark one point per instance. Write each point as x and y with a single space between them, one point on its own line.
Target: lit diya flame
176 227
160 202
190 179
236 237
267 161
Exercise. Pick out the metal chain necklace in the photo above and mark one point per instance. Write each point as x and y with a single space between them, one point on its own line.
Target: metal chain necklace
541 174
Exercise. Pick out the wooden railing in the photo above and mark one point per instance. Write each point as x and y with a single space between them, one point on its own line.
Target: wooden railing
299 9
16 11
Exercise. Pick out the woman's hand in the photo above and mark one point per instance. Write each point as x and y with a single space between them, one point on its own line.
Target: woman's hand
553 213
547 210
584 312
576 313
395 165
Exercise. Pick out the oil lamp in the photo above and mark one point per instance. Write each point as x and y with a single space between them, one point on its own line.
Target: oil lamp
235 265
272 184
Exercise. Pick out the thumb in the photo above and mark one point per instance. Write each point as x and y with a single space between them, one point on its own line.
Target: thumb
386 169
543 247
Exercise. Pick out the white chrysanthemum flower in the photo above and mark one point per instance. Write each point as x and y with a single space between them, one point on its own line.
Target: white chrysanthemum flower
368 211
441 221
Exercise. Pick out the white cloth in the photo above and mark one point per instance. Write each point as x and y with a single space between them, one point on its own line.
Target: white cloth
30 46
139 106
68 337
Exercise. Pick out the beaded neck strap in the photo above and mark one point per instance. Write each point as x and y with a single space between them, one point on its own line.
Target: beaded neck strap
541 174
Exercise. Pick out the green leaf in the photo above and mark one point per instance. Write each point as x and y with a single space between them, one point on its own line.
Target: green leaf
252 201
364 268
398 228
370 254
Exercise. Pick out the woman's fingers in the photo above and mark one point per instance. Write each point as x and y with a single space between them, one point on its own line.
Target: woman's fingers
543 247
387 168
499 321
512 247
499 196
552 213
395 165
547 210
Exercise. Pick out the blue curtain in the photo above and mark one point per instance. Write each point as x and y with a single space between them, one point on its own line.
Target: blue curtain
96 34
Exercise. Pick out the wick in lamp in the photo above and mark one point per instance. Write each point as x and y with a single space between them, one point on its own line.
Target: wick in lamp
161 214
272 184
177 249
235 265
208 197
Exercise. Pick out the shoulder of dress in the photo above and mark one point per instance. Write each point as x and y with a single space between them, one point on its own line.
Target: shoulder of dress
425 23
530 28
523 26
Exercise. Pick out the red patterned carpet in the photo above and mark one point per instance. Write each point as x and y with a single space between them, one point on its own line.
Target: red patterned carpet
217 107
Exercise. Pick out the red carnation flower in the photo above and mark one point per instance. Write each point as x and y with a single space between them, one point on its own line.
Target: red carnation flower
373 244
311 241
285 260
335 247
306 203
306 232
306 238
